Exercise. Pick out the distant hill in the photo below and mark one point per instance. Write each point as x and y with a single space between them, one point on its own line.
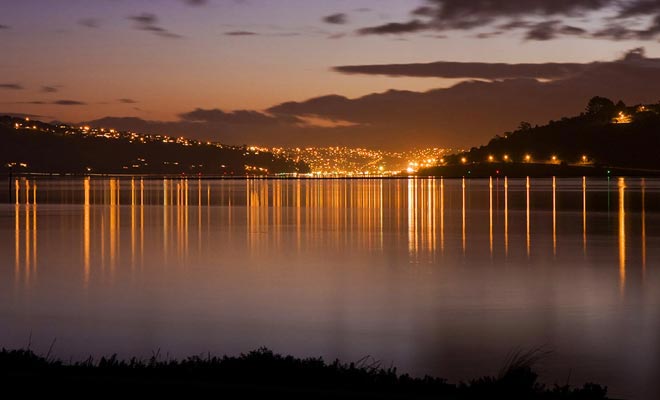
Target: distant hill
605 136
38 147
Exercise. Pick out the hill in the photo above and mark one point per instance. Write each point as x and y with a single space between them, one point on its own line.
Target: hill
38 147
605 137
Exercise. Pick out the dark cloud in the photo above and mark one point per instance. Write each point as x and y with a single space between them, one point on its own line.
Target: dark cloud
450 11
68 103
49 89
572 30
241 117
127 101
548 30
336 19
620 32
56 102
241 33
145 19
394 28
4 26
149 22
515 24
196 2
543 31
490 71
615 18
11 86
287 34
92 23
423 11
640 7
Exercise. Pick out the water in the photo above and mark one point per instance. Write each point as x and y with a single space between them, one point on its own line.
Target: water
441 277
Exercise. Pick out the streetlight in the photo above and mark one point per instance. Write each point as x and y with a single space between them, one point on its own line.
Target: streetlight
11 168
463 160
528 158
506 157
491 158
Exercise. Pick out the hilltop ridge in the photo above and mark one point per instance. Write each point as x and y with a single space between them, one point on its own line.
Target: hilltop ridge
39 147
607 136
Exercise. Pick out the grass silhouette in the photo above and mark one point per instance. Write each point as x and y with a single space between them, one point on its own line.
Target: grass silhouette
266 374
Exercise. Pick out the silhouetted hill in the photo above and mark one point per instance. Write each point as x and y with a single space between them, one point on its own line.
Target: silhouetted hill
606 136
33 146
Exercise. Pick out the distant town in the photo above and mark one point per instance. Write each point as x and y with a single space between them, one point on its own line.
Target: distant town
605 136
320 161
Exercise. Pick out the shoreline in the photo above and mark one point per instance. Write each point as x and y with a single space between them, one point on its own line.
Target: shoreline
479 171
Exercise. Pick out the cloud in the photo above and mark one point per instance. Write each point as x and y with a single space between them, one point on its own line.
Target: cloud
68 103
618 31
49 89
241 33
469 70
548 30
149 22
486 10
466 114
145 19
11 86
196 2
241 117
640 7
336 19
394 28
543 19
56 102
127 101
471 112
4 27
92 23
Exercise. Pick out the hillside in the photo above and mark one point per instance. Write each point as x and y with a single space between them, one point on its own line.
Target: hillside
37 147
606 136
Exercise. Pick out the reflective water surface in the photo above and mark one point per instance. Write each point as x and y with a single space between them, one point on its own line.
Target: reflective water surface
435 276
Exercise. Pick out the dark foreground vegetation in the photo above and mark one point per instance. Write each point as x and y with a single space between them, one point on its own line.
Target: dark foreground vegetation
262 372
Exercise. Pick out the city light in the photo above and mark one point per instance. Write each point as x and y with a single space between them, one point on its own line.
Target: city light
528 158
622 118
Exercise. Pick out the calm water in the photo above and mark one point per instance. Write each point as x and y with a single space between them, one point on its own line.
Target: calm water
441 277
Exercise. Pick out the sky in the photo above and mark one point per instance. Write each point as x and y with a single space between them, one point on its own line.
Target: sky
373 73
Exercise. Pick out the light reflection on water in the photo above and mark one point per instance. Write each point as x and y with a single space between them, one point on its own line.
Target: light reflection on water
439 276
